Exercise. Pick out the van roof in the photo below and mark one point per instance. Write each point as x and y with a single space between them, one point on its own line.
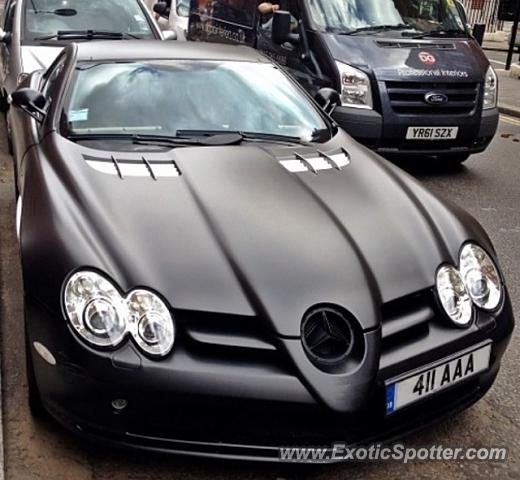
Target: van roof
165 50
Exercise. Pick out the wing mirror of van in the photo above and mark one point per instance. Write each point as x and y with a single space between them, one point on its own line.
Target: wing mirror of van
161 8
31 102
169 35
328 99
5 37
282 29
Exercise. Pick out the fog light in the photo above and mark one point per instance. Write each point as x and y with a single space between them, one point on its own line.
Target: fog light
119 404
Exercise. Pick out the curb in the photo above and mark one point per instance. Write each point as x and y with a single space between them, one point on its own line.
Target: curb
509 110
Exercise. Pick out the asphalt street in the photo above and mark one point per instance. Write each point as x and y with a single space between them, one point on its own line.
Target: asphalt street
488 186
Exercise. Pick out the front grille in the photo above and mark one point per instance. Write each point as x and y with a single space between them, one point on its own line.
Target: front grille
408 98
406 320
217 337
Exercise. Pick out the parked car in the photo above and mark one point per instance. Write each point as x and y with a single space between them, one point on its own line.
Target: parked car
33 33
212 267
413 81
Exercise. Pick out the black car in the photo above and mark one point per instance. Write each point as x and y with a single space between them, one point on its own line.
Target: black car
413 81
212 267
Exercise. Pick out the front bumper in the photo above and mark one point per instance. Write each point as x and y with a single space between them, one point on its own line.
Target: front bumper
237 411
386 134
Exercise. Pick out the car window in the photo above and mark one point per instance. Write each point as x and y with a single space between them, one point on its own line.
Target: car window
163 97
47 17
52 75
9 17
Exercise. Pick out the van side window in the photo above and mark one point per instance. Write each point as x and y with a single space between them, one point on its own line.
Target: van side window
291 6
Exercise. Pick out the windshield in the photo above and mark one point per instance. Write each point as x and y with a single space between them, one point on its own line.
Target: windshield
165 97
347 16
47 17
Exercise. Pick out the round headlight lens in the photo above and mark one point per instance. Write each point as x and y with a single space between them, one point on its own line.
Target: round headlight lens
481 277
95 309
103 317
453 296
155 332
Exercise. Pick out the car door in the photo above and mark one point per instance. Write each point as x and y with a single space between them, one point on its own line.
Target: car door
288 55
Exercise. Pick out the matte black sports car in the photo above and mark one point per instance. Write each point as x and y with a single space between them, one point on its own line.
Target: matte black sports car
212 267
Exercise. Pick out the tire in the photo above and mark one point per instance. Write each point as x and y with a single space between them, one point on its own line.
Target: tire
34 397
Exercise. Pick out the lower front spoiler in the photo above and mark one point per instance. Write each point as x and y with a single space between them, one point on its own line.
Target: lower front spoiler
373 428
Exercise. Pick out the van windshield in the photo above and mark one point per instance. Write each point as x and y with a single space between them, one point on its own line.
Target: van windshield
421 16
45 18
167 97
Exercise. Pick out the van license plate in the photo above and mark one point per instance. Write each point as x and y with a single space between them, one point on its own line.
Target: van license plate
419 386
432 133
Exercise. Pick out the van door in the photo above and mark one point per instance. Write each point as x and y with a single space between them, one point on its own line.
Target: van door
289 55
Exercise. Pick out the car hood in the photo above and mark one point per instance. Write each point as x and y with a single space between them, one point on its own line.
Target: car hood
404 59
236 232
38 58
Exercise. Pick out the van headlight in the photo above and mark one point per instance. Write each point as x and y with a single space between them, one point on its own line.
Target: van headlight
103 317
481 277
356 90
454 296
490 89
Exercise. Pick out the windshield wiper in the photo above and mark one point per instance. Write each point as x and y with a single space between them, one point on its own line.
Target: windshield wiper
87 35
441 32
161 140
378 28
252 136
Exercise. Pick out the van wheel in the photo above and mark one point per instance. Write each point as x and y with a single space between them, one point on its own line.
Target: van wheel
456 158
34 398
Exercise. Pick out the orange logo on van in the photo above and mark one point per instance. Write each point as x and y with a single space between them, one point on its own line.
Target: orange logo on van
427 58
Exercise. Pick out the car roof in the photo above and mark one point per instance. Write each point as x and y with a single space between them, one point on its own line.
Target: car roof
115 50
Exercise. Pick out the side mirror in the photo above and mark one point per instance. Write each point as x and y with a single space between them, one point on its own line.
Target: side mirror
4 36
169 35
328 99
161 8
31 102
282 28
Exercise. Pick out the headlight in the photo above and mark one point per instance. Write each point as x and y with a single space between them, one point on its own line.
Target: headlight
481 277
453 296
103 317
356 90
490 89
155 331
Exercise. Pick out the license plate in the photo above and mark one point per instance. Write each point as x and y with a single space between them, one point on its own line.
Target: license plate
418 386
432 133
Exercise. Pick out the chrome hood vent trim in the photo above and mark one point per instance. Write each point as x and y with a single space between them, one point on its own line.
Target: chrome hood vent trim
123 168
319 161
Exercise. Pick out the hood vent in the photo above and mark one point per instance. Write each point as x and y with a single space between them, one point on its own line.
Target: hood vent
407 44
317 162
124 168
